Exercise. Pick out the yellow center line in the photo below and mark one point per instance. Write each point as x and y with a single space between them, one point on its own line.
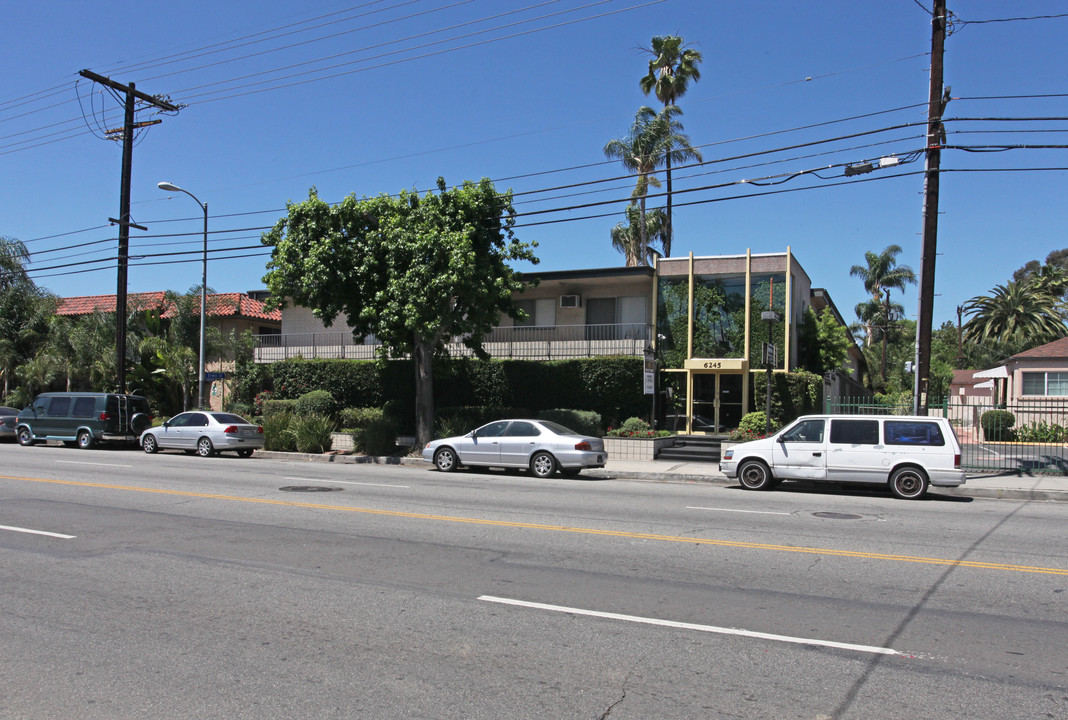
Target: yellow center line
563 528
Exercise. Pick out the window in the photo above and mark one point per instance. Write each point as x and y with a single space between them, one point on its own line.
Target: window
855 432
83 407
897 432
492 430
521 429
808 431
59 406
1045 384
197 420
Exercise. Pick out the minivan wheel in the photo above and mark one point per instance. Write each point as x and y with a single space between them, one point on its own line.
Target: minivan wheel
542 465
754 475
24 436
204 447
85 440
908 483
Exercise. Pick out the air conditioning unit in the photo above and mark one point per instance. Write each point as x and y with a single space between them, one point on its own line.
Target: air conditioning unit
570 301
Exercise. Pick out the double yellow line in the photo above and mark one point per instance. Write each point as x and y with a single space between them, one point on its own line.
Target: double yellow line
565 528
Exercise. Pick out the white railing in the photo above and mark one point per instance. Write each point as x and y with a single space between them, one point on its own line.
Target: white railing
559 342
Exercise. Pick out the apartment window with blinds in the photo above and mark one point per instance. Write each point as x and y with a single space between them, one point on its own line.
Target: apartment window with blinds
1045 384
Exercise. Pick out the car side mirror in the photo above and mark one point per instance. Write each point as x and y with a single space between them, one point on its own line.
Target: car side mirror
166 424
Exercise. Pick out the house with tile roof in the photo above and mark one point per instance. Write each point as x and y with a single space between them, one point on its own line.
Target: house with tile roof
225 311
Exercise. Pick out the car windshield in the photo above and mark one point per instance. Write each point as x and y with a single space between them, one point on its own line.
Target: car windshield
557 428
228 419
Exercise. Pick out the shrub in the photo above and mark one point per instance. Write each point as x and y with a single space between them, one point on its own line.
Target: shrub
1042 432
379 437
997 425
752 427
316 402
243 409
312 433
260 402
584 422
635 427
276 433
358 418
274 407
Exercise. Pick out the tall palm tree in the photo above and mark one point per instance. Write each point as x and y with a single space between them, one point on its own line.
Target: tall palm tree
653 140
881 274
670 71
1014 312
627 237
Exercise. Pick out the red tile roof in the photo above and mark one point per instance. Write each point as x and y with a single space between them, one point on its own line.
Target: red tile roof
1055 349
218 305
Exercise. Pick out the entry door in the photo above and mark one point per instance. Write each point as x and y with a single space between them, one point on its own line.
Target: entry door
717 403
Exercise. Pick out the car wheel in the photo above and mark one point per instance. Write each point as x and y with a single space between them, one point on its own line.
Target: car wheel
542 465
85 440
149 444
204 447
247 452
908 483
754 475
445 459
570 472
24 437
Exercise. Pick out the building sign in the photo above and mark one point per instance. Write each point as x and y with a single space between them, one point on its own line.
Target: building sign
714 364
650 373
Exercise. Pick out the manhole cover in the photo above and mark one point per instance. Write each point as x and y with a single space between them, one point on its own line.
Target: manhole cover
837 516
309 488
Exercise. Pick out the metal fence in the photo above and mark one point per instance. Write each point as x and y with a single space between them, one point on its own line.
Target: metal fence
556 342
1025 438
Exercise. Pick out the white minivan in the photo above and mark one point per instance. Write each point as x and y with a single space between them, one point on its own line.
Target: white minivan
907 452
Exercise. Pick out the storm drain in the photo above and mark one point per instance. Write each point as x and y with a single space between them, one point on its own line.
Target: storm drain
837 516
309 488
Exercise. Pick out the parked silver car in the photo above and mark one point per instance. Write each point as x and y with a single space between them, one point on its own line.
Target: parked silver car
541 446
205 433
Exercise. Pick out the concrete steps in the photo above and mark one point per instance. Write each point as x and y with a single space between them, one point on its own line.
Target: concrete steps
693 448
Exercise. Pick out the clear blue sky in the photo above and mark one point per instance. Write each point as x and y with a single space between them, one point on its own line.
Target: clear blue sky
527 93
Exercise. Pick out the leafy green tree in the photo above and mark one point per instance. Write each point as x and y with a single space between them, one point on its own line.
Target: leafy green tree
627 237
654 139
1016 312
671 69
417 272
823 342
24 312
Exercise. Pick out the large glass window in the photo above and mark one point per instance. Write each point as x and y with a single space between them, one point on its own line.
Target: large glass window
1045 384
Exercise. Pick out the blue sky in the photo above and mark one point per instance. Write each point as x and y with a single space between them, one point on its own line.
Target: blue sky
527 92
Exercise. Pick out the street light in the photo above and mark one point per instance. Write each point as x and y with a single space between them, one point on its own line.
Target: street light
169 187
770 317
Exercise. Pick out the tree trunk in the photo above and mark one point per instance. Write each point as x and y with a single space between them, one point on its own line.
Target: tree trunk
423 356
666 234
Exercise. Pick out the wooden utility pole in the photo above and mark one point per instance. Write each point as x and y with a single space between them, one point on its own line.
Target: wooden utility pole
936 106
124 222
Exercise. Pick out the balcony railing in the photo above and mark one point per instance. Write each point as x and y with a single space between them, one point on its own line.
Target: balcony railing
557 342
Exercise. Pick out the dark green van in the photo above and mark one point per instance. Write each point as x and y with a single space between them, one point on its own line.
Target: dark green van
83 418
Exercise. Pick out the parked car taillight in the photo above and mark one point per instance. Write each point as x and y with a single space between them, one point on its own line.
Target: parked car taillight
105 416
230 430
956 462
259 429
583 446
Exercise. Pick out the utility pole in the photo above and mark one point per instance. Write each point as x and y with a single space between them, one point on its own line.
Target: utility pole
937 101
124 222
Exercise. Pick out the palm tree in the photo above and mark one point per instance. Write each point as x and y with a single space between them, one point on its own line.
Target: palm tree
670 71
1013 313
627 238
654 139
881 275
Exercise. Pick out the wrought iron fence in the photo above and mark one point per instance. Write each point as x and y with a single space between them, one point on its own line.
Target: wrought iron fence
1023 438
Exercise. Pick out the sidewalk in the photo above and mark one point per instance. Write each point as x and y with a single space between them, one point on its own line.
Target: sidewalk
1005 486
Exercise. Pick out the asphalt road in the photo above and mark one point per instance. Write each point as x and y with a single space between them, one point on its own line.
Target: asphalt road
180 587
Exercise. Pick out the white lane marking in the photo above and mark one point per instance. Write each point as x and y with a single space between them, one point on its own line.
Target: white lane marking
755 512
78 462
37 532
692 626
345 482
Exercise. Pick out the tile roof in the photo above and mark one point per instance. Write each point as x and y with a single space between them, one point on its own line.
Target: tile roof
218 305
1055 349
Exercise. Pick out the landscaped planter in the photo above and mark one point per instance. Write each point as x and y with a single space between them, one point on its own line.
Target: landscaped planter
619 448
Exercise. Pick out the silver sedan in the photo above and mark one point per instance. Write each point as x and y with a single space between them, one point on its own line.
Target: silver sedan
205 433
541 446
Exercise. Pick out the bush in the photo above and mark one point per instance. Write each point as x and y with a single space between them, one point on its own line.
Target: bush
379 437
584 422
997 425
316 402
1042 432
276 433
312 433
274 407
635 427
752 427
243 409
358 418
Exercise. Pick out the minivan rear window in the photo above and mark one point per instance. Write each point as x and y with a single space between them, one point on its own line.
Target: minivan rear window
855 432
898 432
